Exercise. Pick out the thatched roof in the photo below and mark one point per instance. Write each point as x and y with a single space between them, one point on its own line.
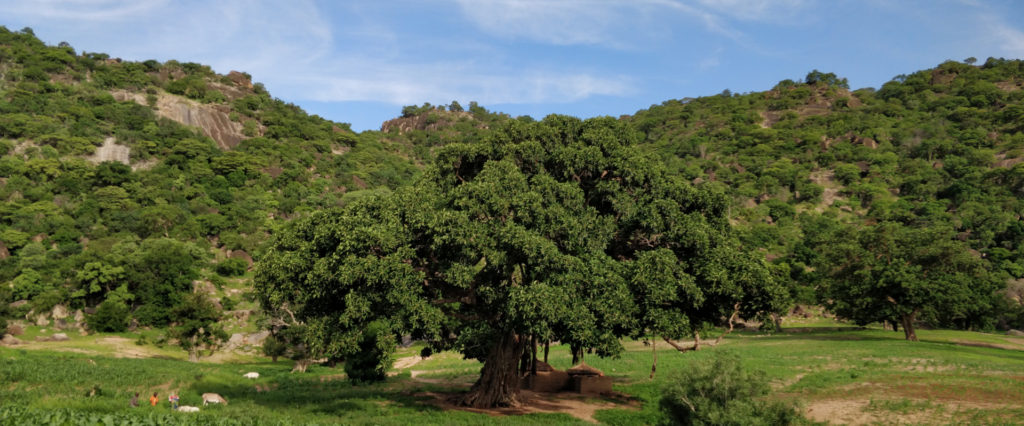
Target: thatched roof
584 370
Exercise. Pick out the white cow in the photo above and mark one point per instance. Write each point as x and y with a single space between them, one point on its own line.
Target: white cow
214 398
188 409
252 375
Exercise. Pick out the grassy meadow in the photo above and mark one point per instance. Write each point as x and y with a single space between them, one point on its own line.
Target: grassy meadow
861 376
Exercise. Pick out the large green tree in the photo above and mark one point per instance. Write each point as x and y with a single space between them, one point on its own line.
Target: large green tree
559 229
896 272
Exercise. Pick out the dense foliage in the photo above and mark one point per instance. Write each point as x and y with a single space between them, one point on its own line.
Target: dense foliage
553 230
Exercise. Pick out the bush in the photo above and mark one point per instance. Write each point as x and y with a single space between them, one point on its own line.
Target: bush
374 358
720 392
232 267
274 348
111 316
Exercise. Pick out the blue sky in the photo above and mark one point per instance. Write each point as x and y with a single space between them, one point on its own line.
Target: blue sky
359 61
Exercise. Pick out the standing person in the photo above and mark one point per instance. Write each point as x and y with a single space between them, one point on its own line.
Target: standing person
173 400
135 400
153 400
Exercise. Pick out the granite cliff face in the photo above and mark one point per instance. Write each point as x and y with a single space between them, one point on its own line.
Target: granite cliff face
212 119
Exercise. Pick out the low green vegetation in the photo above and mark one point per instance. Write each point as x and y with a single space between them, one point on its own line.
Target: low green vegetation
873 375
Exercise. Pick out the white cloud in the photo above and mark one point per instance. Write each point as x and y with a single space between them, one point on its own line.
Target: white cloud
83 10
754 10
1011 40
567 22
292 50
406 84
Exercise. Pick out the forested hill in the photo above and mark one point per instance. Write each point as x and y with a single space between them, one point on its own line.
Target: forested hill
127 181
111 167
807 161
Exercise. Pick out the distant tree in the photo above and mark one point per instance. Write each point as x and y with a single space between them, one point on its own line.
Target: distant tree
971 61
196 325
96 279
894 272
829 79
160 273
274 348
114 313
455 107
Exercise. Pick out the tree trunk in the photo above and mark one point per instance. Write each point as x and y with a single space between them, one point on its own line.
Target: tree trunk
778 321
301 365
908 326
732 319
533 357
193 350
498 385
547 344
696 340
654 353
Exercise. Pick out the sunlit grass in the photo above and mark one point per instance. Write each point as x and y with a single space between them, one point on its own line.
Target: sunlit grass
890 376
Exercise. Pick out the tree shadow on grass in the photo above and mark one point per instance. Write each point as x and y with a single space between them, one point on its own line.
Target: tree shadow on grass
330 397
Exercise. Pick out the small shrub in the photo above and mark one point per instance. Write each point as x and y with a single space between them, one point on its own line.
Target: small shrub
374 358
720 392
274 348
110 316
232 267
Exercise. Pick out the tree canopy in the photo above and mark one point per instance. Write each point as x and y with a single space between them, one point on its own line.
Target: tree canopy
559 229
894 272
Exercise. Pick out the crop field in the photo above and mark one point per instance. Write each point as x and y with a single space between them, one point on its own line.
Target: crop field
859 377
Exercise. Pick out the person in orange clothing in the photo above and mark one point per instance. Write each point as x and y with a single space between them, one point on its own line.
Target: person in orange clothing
153 400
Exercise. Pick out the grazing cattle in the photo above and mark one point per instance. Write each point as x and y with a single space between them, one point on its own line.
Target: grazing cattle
188 409
214 398
252 375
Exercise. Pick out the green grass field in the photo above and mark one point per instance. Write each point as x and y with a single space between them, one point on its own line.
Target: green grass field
866 376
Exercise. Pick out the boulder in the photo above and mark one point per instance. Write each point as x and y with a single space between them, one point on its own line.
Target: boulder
59 312
42 319
79 316
241 254
1017 333
10 340
236 341
15 329
18 304
203 286
258 337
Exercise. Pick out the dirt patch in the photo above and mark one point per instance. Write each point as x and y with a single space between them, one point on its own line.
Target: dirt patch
862 411
124 348
827 179
840 411
575 405
407 362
